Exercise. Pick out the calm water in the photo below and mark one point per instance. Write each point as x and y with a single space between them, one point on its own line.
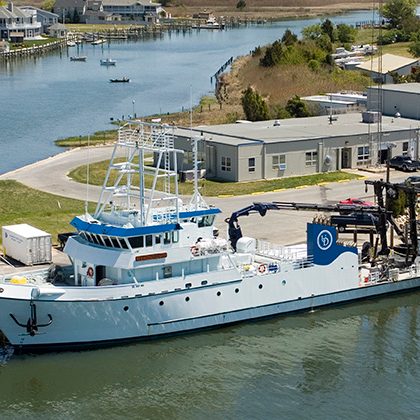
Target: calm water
356 361
46 98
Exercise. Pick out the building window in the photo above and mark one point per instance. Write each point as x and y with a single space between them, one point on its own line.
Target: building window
311 158
279 162
226 164
405 148
251 165
363 154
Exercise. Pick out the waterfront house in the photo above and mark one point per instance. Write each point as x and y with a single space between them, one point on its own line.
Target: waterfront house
58 30
139 11
93 12
43 16
18 24
380 70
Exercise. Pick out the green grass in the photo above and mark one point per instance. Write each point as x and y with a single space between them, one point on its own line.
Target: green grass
364 36
28 44
52 213
99 137
212 188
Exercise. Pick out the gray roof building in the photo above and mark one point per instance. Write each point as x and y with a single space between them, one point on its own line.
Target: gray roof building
272 149
397 99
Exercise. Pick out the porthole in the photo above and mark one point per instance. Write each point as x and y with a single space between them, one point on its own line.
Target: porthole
1 290
236 290
260 286
219 293
187 299
204 282
161 303
283 282
188 285
126 308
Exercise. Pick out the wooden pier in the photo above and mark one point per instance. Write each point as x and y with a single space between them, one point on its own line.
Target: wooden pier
33 51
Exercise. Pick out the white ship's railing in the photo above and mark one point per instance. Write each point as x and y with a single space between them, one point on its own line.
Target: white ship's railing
267 249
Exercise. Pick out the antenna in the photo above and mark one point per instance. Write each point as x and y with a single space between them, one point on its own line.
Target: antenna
195 154
87 176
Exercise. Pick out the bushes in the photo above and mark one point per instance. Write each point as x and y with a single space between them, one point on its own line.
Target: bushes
297 108
254 106
273 55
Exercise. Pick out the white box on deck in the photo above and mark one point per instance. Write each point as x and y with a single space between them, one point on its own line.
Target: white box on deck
27 244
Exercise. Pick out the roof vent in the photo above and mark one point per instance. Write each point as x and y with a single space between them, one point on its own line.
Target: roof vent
276 123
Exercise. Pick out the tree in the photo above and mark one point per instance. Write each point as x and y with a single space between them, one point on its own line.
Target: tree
241 4
346 33
48 5
297 108
254 106
289 38
312 31
327 28
273 55
397 12
415 45
76 17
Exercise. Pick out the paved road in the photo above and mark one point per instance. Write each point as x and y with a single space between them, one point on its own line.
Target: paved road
286 227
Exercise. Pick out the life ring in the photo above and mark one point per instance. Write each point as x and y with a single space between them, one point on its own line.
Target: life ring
262 268
89 272
194 250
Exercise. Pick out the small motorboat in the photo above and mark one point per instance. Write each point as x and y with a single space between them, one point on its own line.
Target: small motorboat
71 44
122 80
78 58
108 62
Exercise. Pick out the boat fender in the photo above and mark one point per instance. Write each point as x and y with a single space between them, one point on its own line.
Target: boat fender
89 272
262 268
194 250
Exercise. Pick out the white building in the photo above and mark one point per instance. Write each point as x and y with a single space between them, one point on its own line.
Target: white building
18 23
379 69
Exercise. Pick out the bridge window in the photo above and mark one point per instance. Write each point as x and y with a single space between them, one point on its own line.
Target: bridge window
149 240
107 241
136 242
206 221
158 239
167 238
115 242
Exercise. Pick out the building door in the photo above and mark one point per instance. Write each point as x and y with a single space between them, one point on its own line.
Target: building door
346 158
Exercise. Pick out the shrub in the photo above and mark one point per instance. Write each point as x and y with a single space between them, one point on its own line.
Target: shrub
241 4
254 106
314 65
273 55
289 38
297 108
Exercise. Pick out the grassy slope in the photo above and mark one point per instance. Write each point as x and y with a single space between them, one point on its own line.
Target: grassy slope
211 188
20 204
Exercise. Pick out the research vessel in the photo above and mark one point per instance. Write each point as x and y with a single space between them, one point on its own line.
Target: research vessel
147 263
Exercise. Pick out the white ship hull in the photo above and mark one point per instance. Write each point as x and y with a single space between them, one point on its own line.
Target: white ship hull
132 312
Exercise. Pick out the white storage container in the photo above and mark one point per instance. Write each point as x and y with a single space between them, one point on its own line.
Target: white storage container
27 244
